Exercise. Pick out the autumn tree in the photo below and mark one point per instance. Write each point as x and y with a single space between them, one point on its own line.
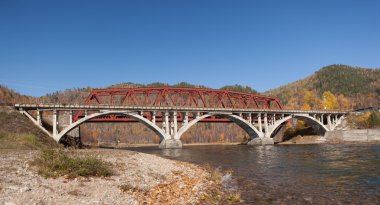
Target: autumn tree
309 100
344 103
292 104
329 101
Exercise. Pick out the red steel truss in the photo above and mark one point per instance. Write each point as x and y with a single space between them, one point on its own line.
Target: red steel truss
178 97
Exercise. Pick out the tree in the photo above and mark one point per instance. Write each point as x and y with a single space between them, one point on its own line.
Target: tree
309 100
373 120
329 101
239 88
305 106
344 103
292 104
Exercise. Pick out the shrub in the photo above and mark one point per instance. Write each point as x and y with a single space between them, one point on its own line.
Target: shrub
374 120
365 120
56 163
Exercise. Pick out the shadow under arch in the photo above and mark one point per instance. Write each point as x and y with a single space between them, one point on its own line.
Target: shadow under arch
314 123
135 116
250 129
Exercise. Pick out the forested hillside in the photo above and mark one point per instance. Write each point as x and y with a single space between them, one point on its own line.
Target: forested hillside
334 86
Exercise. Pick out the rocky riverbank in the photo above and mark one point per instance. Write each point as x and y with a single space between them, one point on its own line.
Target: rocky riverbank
138 179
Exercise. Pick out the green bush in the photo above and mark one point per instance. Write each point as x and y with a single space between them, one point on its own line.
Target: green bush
56 163
374 120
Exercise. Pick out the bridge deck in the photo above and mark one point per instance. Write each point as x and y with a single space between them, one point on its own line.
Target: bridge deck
179 109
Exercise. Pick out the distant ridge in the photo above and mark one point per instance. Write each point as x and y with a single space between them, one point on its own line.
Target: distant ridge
359 85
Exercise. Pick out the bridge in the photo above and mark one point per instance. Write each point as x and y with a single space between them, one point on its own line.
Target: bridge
170 112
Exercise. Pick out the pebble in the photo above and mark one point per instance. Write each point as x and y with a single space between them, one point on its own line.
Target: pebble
25 189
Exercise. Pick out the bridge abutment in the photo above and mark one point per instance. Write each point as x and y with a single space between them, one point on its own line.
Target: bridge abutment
170 144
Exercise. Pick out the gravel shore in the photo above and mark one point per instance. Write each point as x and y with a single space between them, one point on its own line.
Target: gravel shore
139 179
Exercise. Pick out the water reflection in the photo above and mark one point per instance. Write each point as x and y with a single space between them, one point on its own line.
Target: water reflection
294 174
171 153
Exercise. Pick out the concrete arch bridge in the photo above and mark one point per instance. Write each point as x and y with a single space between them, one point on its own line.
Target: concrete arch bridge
170 112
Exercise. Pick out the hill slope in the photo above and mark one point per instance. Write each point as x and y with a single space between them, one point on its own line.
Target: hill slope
18 132
9 96
358 87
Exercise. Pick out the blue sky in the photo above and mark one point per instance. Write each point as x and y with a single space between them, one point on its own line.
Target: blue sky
53 45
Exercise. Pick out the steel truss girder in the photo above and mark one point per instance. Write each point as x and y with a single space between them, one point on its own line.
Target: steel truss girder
177 97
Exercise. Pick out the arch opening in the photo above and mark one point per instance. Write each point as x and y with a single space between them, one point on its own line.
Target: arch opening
143 121
295 126
239 124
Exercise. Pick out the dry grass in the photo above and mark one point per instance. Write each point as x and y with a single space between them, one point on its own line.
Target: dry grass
18 132
128 188
20 141
216 193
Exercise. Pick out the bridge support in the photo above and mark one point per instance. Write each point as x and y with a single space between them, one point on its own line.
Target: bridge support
170 144
261 141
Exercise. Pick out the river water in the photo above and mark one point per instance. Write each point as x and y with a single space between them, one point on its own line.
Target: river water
292 174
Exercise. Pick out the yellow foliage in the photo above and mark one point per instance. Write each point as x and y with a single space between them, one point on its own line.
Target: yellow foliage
365 120
329 101
310 100
292 104
306 107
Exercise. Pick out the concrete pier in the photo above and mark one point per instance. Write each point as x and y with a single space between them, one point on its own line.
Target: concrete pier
261 141
170 144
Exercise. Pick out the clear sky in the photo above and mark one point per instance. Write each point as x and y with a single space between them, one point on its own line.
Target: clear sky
53 45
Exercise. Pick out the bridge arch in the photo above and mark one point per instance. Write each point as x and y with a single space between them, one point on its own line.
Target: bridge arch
135 116
307 118
242 123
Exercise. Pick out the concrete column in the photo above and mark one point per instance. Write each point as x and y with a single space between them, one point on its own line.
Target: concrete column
71 117
173 124
197 115
266 123
322 119
249 118
55 122
153 115
85 113
186 118
166 116
39 119
259 121
170 144
329 120
163 121
240 114
274 119
141 113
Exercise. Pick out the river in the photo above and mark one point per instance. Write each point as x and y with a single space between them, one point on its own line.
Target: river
292 174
